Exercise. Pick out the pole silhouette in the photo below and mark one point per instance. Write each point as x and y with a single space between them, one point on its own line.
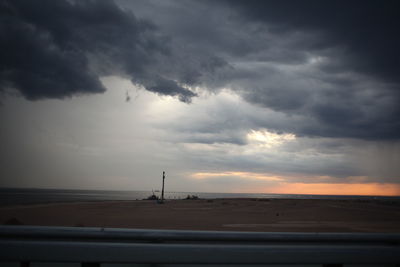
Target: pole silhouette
162 191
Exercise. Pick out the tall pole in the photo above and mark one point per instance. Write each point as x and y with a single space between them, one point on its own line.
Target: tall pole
162 191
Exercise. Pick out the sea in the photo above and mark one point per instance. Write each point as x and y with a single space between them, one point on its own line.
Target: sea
27 196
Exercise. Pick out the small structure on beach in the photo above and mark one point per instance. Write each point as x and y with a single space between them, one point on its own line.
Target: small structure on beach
160 200
153 196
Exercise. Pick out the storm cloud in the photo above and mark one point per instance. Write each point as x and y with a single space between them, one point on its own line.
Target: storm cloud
55 49
346 81
332 65
368 31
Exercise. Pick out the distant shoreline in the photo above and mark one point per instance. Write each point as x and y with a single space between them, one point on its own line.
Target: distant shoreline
63 190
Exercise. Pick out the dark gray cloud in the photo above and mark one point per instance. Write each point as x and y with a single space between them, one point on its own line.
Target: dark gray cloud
331 69
352 89
331 65
363 108
344 80
55 49
368 30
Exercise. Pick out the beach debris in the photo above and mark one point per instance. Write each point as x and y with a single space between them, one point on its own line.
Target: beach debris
152 197
192 197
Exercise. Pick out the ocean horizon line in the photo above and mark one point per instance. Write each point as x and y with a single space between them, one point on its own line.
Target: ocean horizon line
185 192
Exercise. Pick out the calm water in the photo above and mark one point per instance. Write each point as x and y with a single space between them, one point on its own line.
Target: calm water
37 196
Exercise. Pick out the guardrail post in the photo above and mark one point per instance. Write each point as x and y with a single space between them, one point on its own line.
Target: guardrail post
90 264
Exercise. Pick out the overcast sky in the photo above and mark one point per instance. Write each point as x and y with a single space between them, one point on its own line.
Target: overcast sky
225 96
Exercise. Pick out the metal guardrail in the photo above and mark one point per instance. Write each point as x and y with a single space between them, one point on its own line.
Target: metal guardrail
92 246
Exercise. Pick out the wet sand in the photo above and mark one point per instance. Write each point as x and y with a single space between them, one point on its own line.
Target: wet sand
265 215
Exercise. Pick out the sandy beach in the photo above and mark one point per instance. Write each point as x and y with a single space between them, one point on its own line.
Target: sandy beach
266 215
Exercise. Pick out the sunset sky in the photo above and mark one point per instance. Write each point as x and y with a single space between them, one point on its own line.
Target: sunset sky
298 97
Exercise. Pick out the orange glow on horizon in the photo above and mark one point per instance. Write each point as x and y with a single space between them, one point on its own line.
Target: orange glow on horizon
369 189
319 185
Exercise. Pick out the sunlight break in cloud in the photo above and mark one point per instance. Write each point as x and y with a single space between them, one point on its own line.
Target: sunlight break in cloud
243 175
265 138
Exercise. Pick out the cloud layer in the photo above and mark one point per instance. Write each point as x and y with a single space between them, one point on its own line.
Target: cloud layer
55 49
331 69
343 77
333 66
307 92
